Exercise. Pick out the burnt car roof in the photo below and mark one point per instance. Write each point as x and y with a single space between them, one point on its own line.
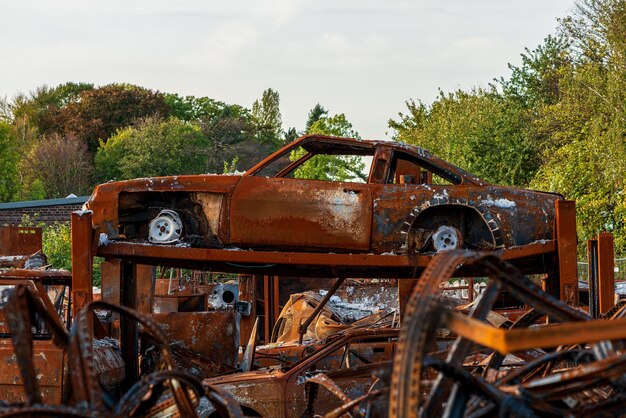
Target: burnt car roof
340 145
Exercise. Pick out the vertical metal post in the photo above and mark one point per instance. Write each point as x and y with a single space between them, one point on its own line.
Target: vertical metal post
592 258
268 303
110 280
247 293
566 248
144 288
405 288
82 259
606 272
128 327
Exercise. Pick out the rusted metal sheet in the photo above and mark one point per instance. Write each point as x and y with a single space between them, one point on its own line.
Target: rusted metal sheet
110 280
19 240
214 334
247 293
297 214
49 363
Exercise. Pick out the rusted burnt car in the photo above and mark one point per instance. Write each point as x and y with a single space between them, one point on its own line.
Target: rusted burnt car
404 200
351 359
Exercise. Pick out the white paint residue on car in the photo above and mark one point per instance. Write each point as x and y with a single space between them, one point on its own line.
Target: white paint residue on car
501 203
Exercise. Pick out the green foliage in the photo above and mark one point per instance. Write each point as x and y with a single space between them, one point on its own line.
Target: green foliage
233 134
100 112
330 167
231 167
194 109
315 114
267 119
61 164
479 130
57 245
556 124
33 108
35 190
9 159
154 147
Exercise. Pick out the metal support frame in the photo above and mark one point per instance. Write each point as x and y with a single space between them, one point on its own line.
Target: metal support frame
566 241
515 340
606 272
82 259
272 307
592 268
128 327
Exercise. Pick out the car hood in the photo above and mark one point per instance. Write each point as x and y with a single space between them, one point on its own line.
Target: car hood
200 182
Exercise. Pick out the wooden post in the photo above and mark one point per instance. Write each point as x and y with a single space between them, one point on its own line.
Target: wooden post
82 259
566 248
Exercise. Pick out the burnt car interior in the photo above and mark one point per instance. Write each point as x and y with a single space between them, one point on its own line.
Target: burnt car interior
138 208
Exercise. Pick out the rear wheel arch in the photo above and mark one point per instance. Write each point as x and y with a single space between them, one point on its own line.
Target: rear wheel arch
478 226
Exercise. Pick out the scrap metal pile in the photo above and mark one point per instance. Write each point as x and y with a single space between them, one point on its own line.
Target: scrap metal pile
447 359
92 380
456 364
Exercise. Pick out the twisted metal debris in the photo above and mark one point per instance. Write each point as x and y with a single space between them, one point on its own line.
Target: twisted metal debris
166 392
573 366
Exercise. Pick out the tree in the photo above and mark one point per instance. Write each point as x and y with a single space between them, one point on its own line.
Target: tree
9 159
330 167
33 108
291 135
100 112
194 109
267 119
479 130
315 114
61 164
153 147
556 123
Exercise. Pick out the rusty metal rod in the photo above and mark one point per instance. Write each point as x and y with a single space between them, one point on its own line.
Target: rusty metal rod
305 325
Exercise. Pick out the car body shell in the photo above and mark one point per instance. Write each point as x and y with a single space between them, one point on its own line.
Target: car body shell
383 215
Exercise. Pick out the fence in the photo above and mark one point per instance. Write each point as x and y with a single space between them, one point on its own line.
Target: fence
620 269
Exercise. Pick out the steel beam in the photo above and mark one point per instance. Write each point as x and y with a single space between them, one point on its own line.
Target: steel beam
606 272
566 241
82 259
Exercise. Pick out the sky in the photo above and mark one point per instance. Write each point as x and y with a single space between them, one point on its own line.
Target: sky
363 58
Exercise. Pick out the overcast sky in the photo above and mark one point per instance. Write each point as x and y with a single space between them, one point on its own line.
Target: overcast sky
364 58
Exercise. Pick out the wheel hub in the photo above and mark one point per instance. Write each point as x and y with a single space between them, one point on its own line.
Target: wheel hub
166 228
447 238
